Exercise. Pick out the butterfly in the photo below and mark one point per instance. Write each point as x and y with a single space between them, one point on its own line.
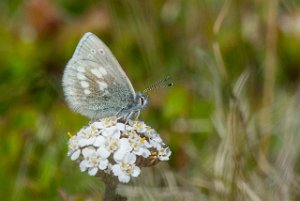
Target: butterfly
96 86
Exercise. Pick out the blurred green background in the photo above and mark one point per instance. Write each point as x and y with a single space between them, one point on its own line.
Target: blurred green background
231 119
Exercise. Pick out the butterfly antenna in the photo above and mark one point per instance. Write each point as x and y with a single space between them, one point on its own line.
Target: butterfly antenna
163 83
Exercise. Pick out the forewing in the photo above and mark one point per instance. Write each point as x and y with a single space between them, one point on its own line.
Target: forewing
94 83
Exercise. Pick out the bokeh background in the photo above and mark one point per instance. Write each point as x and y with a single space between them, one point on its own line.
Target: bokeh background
232 119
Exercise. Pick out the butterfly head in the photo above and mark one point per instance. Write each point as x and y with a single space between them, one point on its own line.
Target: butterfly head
141 100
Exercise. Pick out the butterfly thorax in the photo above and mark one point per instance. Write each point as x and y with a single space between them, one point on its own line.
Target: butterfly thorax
133 110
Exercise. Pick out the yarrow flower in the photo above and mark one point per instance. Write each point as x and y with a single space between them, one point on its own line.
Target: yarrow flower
93 160
116 148
74 150
126 168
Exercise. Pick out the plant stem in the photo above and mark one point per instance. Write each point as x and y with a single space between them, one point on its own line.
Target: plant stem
110 190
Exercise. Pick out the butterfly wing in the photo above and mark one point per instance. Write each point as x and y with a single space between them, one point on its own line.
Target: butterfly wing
94 83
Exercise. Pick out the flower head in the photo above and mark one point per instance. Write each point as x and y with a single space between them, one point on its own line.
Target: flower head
113 147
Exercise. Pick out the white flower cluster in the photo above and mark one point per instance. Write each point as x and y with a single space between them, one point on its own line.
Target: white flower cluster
113 147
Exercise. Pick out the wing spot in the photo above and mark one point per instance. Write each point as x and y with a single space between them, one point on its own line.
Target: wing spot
81 76
84 84
97 72
101 51
102 85
103 71
87 92
93 51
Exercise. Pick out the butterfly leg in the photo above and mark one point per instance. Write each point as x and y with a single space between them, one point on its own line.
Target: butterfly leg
137 115
93 119
128 117
119 117
119 112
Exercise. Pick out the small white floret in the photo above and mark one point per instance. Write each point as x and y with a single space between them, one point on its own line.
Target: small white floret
164 154
126 168
93 171
124 148
111 132
99 141
75 155
140 126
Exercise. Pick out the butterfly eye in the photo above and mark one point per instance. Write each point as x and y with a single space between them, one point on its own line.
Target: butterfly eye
143 100
101 51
